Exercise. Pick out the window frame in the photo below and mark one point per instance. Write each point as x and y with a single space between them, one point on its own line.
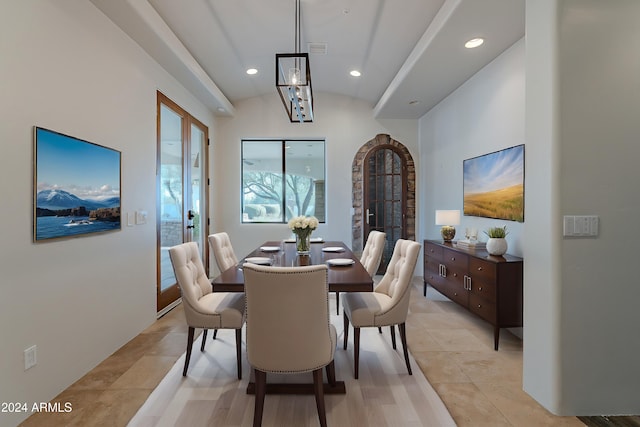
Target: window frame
283 171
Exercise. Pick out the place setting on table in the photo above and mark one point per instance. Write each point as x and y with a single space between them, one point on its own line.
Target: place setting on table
345 272
282 255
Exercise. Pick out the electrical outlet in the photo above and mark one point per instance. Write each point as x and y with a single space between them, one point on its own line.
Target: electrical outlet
30 357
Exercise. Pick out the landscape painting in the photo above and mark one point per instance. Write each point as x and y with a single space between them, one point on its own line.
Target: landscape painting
76 186
494 185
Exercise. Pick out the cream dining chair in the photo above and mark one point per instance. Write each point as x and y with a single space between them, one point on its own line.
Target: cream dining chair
288 327
371 257
203 308
387 305
223 251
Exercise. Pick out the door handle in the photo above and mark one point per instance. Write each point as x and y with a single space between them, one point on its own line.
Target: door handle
191 214
369 215
190 226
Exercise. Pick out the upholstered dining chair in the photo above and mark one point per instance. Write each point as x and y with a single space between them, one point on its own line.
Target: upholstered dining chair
288 327
203 308
371 257
223 251
387 305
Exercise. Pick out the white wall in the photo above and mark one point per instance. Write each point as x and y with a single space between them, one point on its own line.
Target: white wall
344 123
485 114
66 67
581 316
599 94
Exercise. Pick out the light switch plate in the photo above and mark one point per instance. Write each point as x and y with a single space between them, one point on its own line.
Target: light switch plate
141 217
580 225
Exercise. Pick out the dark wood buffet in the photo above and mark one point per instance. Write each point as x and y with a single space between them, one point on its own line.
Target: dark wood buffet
486 285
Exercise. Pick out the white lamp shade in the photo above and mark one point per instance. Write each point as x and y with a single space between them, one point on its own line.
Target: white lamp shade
448 217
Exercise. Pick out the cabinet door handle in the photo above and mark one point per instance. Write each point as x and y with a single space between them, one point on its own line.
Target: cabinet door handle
455 274
479 268
467 282
453 258
480 288
479 306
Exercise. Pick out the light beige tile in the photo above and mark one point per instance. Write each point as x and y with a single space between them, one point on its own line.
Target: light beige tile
457 340
520 409
440 367
489 366
146 373
469 407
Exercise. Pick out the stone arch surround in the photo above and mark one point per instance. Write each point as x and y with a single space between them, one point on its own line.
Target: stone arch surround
357 174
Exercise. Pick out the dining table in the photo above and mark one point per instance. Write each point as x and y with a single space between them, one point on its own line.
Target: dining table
345 274
341 277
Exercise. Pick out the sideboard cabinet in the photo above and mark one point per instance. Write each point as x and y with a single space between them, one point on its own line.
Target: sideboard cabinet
486 285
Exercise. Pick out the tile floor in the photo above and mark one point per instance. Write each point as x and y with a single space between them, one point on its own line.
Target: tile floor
479 386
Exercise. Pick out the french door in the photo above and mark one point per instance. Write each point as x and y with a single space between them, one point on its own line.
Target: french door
385 197
182 194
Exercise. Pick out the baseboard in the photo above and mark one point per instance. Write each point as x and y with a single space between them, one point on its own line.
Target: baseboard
168 308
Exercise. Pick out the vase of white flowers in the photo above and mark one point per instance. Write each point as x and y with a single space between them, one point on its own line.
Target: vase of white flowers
302 227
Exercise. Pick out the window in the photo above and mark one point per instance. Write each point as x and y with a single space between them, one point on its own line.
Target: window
282 179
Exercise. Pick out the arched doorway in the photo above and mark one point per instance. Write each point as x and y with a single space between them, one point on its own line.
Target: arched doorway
383 193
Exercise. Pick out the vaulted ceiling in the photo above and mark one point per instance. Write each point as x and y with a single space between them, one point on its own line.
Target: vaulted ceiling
410 52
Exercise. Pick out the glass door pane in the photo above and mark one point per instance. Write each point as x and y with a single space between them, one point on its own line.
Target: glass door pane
198 196
170 191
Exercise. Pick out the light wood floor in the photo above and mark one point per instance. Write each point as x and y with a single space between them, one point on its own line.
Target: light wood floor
479 386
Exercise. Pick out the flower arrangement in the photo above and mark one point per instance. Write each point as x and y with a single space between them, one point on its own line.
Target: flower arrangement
302 226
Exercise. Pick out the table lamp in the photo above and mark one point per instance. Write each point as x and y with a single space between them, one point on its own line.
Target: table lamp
447 219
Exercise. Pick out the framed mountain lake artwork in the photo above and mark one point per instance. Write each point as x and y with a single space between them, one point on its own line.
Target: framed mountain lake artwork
493 184
76 187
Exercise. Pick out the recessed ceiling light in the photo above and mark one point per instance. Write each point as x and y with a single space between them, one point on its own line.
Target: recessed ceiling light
252 71
414 102
221 110
474 43
355 73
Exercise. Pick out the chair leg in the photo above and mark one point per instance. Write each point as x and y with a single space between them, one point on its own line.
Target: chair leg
331 373
393 336
379 329
261 387
318 387
338 303
189 345
356 350
346 329
215 334
238 348
403 338
204 338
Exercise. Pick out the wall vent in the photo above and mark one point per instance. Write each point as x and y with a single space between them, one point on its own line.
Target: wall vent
316 48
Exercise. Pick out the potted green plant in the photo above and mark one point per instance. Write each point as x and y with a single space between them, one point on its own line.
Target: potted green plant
497 244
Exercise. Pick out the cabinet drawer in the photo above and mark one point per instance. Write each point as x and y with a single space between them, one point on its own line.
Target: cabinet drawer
431 271
483 308
483 288
482 269
457 293
433 251
454 259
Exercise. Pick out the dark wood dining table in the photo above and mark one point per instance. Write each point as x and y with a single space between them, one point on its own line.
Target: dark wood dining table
340 278
351 278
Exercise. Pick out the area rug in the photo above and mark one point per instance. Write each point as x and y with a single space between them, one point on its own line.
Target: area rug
211 394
